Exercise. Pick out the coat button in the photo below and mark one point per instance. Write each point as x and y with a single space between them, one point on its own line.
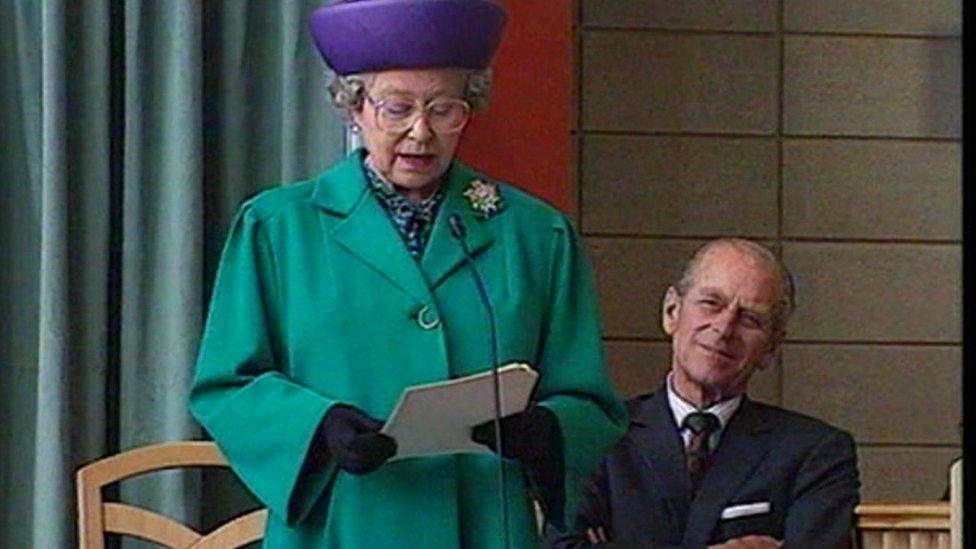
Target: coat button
427 318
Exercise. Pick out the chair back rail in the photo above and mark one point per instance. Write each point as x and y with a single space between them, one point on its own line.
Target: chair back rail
96 518
922 525
955 504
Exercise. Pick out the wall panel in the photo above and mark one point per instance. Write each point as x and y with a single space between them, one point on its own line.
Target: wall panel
872 86
872 189
876 292
874 391
931 18
632 276
829 130
629 178
904 473
740 15
649 81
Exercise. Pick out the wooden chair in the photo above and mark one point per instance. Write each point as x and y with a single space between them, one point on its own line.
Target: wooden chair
955 504
921 525
97 518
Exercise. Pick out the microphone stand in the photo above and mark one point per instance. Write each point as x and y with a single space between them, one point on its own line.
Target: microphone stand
459 232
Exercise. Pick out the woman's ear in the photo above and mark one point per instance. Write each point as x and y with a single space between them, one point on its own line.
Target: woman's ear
356 120
669 310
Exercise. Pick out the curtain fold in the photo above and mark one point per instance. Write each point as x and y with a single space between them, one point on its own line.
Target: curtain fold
19 262
74 178
116 191
161 306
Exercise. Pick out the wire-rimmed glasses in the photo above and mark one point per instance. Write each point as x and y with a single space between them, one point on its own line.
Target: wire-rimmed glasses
445 115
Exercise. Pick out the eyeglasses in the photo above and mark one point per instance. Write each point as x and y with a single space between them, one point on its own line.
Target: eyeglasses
444 115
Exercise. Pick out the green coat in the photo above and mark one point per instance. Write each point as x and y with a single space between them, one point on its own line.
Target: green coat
317 301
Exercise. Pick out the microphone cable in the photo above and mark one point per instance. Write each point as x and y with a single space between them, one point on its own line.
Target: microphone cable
459 232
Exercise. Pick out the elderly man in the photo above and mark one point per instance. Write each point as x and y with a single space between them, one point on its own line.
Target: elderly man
704 466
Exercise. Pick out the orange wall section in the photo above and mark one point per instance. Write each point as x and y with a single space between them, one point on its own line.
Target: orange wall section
524 136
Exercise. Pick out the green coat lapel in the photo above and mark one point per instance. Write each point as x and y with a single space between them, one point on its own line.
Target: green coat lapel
444 253
367 232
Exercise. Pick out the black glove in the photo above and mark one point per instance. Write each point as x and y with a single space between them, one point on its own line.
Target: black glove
529 436
534 438
353 439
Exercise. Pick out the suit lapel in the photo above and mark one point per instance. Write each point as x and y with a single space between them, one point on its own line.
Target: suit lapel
367 232
742 446
662 449
444 253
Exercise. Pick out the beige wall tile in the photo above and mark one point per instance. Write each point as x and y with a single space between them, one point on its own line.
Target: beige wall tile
646 81
764 385
932 17
872 189
876 292
904 473
742 15
638 367
632 276
872 86
679 185
888 394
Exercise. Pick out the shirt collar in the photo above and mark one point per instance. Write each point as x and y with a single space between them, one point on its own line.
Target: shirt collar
680 407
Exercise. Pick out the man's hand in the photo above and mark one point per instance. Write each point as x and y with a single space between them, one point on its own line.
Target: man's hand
354 441
597 535
749 542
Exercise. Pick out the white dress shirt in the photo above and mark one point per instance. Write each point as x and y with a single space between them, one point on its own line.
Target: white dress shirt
680 408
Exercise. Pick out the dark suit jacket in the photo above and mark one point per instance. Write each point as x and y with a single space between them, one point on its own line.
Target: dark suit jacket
804 468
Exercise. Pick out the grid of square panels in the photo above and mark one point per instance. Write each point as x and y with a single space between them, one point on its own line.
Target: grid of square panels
829 131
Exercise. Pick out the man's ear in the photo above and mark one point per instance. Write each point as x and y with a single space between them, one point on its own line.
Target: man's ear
774 344
778 338
669 310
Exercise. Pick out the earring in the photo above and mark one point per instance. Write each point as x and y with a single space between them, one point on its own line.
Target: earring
354 128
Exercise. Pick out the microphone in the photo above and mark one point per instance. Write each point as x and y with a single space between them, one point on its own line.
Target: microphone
459 232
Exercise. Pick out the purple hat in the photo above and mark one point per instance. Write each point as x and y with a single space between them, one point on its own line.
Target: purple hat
356 36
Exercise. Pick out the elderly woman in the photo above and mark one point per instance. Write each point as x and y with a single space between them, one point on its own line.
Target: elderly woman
336 293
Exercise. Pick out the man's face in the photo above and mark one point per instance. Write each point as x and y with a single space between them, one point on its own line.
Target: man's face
722 330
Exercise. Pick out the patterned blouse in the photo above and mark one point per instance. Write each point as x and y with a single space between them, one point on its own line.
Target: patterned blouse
413 220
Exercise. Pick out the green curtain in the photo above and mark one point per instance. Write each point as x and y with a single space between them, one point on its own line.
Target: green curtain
130 130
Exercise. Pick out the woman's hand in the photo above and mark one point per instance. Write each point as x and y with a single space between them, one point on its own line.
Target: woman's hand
534 438
353 439
530 436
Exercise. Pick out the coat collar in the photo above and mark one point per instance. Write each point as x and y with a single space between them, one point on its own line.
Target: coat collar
444 253
342 186
367 233
656 436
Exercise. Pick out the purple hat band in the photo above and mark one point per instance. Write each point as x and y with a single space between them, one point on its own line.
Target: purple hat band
371 35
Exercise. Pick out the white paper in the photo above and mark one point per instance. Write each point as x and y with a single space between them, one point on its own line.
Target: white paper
437 418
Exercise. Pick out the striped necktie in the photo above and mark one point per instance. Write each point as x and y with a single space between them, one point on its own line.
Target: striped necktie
702 425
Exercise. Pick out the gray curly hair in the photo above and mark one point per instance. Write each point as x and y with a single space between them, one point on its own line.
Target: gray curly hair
349 92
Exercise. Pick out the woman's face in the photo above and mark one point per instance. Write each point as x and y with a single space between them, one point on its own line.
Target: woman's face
415 158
